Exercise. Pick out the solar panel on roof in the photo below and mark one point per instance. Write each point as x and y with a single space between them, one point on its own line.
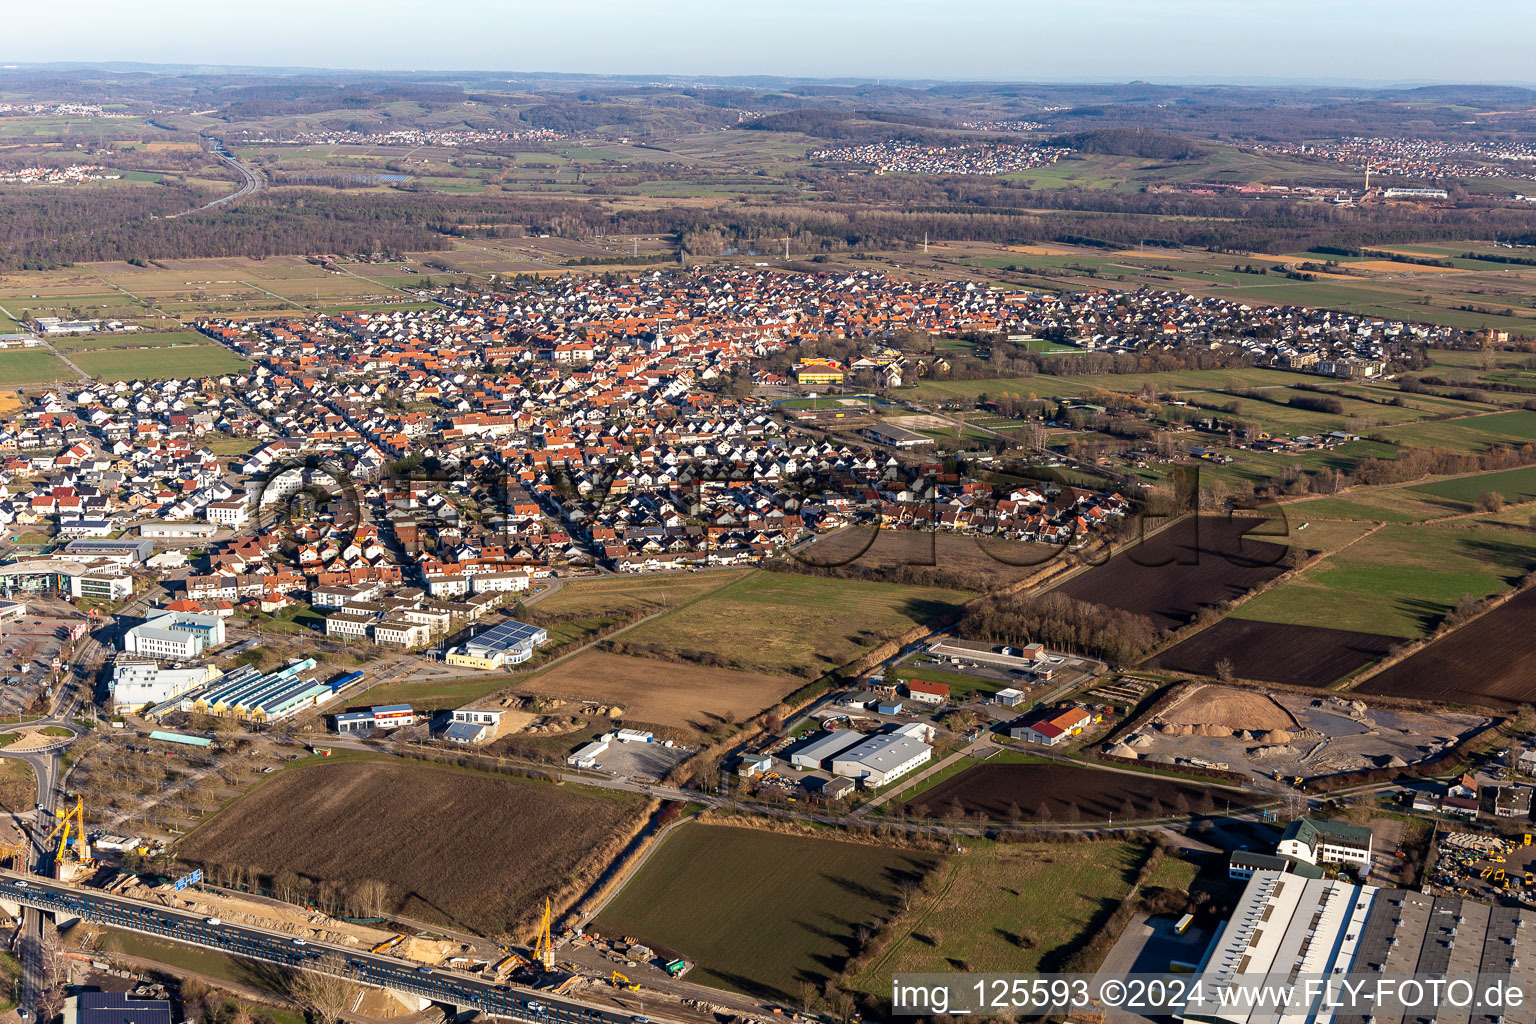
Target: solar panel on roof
507 634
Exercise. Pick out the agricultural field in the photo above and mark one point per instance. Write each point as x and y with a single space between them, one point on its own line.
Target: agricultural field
1197 562
1468 433
1490 662
32 366
1400 581
188 288
779 622
581 607
1045 791
1416 503
1275 652
684 696
137 339
1009 908
400 822
995 562
153 363
760 912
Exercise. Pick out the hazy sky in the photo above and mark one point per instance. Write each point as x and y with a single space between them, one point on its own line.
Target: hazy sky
1019 40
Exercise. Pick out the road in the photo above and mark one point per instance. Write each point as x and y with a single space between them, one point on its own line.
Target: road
454 988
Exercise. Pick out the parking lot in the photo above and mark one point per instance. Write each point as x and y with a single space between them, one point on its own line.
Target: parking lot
30 644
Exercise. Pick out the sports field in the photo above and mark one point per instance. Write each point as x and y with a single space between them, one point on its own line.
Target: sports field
759 912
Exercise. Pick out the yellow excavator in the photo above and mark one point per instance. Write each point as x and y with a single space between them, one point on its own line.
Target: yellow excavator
619 981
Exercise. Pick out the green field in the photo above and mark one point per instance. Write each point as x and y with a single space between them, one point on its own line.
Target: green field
789 623
1469 433
150 364
1400 581
1514 485
1412 503
142 339
1010 908
759 912
32 366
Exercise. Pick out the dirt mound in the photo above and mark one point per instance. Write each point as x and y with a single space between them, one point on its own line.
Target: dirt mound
1229 710
429 951
1122 750
1275 736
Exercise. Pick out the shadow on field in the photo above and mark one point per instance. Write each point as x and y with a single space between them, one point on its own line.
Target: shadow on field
1057 959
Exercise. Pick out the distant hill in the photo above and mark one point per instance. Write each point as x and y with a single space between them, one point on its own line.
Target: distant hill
1132 142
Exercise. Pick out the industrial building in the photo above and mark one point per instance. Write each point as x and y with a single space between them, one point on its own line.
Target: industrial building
250 696
879 759
509 643
1288 926
1319 841
473 726
174 636
178 531
115 1008
137 683
896 437
123 551
586 755
382 718
815 753
1050 726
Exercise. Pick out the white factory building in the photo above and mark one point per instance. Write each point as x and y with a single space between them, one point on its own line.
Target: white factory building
137 683
174 636
879 759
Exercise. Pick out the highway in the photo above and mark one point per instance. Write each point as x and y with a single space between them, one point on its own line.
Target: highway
460 990
251 180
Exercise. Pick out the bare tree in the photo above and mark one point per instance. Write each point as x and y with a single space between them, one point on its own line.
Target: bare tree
325 996
370 896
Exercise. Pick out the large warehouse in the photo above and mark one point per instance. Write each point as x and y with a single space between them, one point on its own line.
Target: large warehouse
814 754
1289 926
879 759
137 683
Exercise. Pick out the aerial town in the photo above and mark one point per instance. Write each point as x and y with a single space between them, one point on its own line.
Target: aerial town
765 540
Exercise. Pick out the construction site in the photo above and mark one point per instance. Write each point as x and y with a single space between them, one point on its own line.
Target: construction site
1281 735
560 963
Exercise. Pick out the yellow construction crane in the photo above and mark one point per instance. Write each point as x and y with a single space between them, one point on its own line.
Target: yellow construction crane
619 981
73 819
543 948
